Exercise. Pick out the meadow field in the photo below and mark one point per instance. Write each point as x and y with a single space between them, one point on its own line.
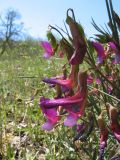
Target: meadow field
21 86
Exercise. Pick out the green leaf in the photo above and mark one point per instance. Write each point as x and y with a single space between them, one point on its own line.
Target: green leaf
117 19
52 39
67 48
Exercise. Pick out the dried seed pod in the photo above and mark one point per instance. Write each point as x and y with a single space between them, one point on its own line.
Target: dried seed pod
114 125
78 40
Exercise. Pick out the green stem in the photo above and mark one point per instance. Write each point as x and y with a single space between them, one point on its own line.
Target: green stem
116 99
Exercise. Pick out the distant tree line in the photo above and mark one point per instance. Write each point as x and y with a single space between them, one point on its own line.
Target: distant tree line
12 35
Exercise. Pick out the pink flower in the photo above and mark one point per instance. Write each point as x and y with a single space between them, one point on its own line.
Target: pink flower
112 46
90 79
66 84
115 50
98 81
50 115
74 105
109 89
100 51
48 50
117 58
75 110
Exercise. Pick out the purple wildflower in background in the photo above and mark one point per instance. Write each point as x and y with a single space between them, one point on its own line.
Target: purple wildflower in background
117 58
48 50
112 46
100 51
115 51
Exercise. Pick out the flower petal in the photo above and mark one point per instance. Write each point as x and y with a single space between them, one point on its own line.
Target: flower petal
47 55
48 49
100 51
60 102
50 114
47 46
58 81
112 45
117 58
48 125
70 120
117 136
90 79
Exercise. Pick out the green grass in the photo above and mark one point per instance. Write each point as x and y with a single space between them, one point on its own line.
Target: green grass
21 136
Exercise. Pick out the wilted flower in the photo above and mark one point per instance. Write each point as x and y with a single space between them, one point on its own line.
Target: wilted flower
78 41
114 125
100 51
61 54
48 49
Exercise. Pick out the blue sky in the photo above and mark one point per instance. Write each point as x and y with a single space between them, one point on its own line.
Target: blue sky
38 14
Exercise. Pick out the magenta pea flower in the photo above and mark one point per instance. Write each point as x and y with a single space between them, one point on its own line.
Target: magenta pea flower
65 102
112 46
109 89
75 111
98 81
48 50
100 51
74 105
50 115
90 79
66 84
115 50
117 58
